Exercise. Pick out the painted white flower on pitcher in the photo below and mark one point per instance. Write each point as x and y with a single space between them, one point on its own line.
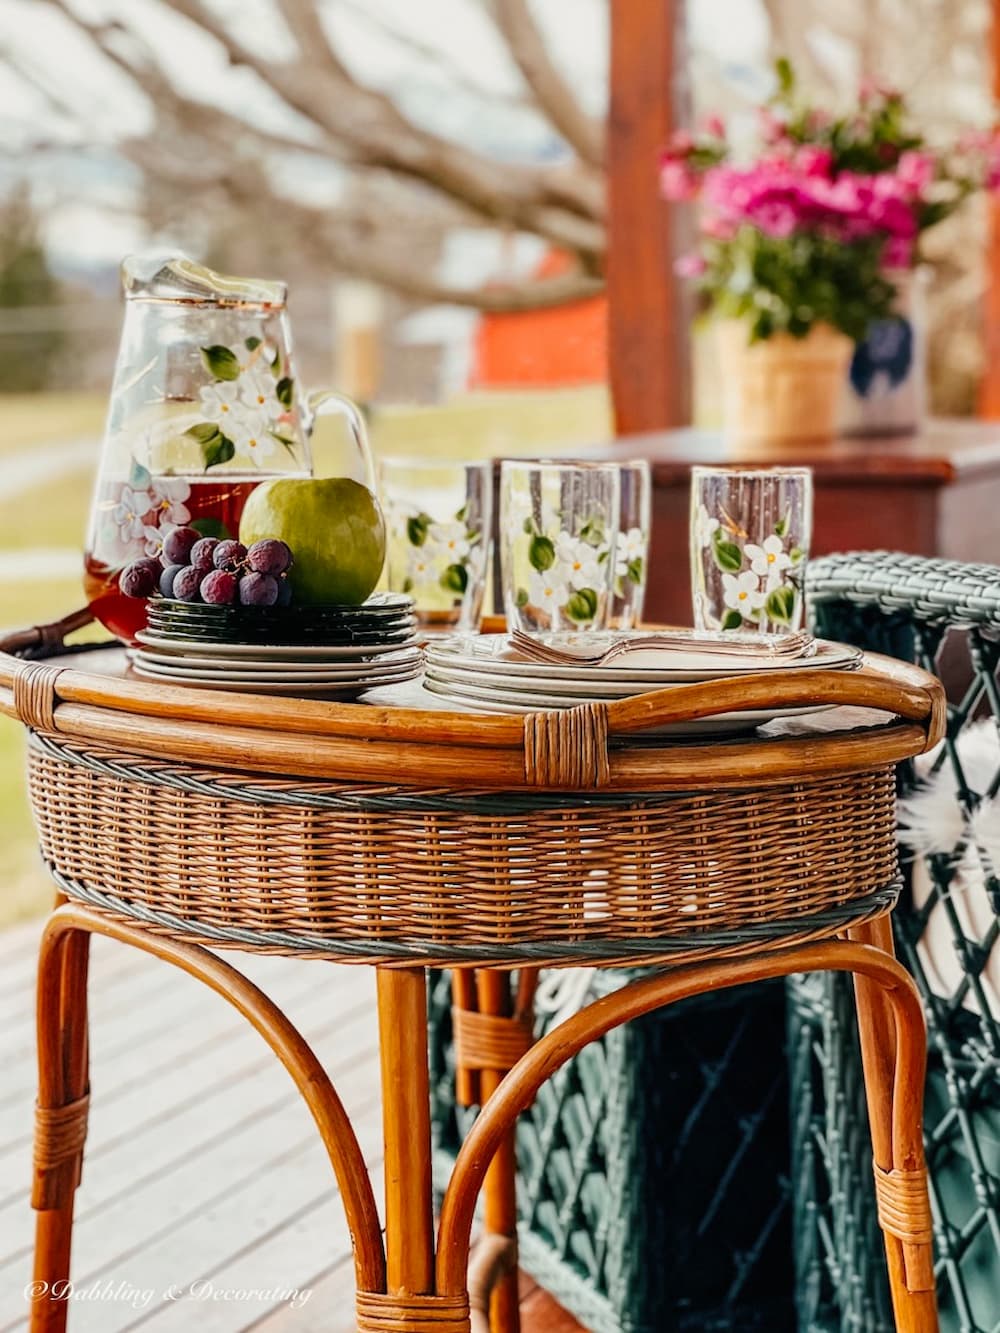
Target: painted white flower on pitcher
129 513
769 560
741 592
168 501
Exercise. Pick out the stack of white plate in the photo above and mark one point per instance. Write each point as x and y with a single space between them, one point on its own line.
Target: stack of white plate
485 673
265 669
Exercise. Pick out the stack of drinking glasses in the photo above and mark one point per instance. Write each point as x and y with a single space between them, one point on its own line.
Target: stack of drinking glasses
574 542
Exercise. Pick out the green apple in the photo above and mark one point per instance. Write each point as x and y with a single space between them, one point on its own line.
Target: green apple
335 529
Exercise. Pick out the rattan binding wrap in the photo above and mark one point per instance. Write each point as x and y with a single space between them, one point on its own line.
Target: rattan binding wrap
364 872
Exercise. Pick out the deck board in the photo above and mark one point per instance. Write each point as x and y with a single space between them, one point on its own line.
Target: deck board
203 1164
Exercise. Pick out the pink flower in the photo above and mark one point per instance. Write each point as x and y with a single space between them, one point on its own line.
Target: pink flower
897 252
718 228
681 143
772 128
813 161
775 215
690 266
678 180
715 126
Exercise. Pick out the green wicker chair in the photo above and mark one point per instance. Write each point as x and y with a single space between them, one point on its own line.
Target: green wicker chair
945 616
690 1165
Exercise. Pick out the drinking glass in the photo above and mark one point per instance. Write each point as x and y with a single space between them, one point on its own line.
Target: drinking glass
631 546
750 534
439 518
206 403
558 533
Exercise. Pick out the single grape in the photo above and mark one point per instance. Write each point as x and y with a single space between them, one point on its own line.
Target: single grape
284 593
140 578
201 553
187 584
219 588
229 555
178 543
258 590
167 579
269 556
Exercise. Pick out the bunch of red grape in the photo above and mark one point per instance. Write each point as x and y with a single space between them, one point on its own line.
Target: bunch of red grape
193 568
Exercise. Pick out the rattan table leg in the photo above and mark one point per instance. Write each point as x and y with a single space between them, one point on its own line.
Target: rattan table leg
62 1084
500 1201
61 1119
406 1119
916 1310
894 1057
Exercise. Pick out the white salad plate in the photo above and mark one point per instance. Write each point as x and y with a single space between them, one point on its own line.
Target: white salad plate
657 665
363 671
203 666
343 689
319 652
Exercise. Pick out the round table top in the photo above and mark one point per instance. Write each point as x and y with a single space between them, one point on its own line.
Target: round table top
879 714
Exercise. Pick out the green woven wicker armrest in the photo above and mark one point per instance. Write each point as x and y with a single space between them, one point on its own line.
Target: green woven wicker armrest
946 592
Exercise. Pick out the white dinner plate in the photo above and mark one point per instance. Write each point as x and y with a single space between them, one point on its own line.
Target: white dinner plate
278 668
327 688
574 691
425 695
364 671
663 665
319 652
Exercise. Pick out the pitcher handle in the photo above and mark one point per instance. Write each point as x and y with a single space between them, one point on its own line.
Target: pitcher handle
317 403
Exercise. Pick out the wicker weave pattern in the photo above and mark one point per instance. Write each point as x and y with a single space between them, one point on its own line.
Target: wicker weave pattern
908 606
581 869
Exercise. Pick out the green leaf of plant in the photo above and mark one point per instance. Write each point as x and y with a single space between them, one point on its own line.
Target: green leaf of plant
407 585
221 362
795 554
529 526
251 344
285 391
522 597
781 527
542 554
276 363
139 477
416 529
205 432
218 450
633 571
727 554
732 620
460 516
582 605
780 604
210 527
786 74
286 440
455 579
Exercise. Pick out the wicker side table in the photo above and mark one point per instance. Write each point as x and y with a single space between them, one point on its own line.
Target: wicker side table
175 820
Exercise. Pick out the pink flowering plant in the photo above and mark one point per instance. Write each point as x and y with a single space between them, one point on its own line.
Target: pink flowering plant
815 229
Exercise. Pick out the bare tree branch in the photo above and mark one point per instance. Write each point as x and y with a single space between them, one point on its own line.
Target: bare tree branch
433 56
541 199
554 95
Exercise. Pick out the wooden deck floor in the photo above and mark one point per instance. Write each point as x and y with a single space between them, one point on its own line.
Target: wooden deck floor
204 1177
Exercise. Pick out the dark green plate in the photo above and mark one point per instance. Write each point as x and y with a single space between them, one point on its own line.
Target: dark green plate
384 618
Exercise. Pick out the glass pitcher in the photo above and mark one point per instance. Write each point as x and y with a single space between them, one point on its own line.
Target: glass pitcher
205 404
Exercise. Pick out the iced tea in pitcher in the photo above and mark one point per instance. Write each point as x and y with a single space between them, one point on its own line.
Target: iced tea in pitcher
205 404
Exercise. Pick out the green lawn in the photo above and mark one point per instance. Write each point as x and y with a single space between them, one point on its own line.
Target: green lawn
54 514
